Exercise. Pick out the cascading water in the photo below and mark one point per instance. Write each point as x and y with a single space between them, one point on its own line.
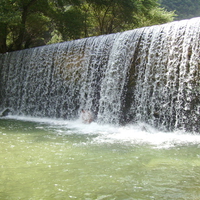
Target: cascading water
149 74
167 88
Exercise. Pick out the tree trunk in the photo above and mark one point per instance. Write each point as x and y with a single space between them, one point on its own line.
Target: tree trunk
3 35
22 30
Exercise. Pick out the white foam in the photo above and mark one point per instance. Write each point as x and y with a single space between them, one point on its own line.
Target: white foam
140 133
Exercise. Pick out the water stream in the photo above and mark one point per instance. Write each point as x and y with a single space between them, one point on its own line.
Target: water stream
47 159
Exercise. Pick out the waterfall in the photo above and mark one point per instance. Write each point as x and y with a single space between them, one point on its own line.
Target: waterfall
149 74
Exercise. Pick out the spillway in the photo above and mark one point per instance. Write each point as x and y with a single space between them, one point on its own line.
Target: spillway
150 75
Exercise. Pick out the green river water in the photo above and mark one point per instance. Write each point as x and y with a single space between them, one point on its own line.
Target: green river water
55 159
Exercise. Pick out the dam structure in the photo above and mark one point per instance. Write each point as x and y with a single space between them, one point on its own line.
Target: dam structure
149 75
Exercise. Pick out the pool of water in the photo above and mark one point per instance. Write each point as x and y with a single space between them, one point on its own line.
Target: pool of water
56 159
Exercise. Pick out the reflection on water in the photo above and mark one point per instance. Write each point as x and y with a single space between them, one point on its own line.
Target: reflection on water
55 159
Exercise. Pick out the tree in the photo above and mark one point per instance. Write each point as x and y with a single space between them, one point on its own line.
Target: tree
154 17
183 8
67 18
110 16
8 16
23 23
30 23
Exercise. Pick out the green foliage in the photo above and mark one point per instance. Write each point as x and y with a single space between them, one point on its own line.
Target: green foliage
68 20
183 8
8 12
110 16
154 17
9 15
25 23
29 23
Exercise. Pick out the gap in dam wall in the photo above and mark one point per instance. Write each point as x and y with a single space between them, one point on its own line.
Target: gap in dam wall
150 74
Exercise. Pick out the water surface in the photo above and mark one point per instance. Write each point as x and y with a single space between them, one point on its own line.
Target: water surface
56 159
